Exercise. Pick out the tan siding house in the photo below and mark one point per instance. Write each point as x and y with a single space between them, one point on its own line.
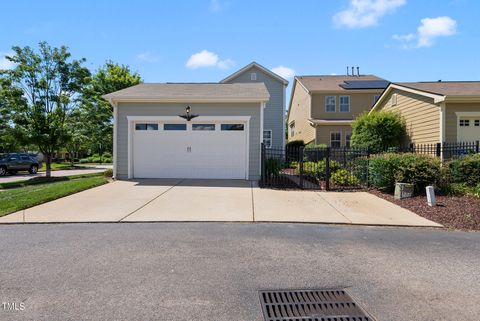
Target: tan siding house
322 108
435 111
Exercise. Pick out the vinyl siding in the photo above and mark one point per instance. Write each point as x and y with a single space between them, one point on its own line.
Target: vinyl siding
300 113
275 107
451 118
359 103
171 109
421 115
323 133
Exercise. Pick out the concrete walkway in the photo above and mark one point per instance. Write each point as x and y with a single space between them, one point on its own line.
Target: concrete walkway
162 200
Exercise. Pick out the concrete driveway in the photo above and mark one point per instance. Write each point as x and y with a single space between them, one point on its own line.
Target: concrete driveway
163 200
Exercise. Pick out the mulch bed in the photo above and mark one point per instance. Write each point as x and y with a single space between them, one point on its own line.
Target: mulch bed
453 212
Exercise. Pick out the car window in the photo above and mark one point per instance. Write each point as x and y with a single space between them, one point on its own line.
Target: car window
12 159
25 158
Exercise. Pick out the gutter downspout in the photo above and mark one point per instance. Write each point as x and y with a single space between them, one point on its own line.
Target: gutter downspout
115 119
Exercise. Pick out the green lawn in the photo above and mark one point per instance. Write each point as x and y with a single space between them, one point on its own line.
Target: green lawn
58 167
19 198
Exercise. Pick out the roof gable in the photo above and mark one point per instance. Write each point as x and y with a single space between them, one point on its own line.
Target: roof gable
258 66
335 83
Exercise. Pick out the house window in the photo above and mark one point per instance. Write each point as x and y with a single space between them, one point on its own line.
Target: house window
253 76
344 104
464 122
335 139
376 98
232 127
207 127
347 139
330 104
292 129
267 137
175 127
146 126
394 100
477 122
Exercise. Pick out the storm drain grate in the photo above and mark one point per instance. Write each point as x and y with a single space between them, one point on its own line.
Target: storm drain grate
310 305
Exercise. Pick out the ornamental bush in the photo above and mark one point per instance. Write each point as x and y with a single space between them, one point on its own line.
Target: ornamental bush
318 169
466 169
378 131
417 169
342 177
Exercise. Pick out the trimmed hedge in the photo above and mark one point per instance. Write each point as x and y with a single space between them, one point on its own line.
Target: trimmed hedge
466 170
387 169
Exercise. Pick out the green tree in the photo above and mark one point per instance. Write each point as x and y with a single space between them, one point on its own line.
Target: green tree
378 130
51 83
97 112
8 97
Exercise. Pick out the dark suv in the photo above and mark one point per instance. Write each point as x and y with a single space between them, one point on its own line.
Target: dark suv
15 162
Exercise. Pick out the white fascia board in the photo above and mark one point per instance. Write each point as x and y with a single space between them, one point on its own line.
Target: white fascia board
196 119
191 100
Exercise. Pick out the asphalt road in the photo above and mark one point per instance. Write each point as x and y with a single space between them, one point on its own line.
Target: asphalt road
212 271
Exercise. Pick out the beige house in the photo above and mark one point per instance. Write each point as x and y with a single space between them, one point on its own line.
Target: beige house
322 108
435 111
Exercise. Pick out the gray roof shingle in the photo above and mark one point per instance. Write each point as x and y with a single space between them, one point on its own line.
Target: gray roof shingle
214 91
446 88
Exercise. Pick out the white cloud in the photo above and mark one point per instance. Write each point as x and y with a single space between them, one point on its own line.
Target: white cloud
4 62
429 30
432 28
284 72
147 56
207 58
365 13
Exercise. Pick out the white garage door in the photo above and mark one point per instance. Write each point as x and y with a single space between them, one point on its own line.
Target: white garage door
212 150
468 129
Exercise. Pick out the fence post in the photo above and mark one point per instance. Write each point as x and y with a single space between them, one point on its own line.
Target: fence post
477 146
438 151
262 165
300 165
368 167
327 169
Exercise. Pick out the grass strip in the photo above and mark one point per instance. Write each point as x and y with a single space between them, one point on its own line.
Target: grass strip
24 197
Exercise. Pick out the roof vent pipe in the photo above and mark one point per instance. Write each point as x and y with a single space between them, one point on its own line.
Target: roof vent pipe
353 71
348 71
358 71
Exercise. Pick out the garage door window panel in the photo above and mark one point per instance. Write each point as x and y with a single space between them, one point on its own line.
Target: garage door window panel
232 127
146 126
203 127
174 126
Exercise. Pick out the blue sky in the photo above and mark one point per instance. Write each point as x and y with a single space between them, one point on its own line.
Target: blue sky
206 40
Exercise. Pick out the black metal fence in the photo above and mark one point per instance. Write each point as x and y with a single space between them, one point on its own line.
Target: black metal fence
337 168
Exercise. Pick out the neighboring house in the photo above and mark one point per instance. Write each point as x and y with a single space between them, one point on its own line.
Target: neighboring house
220 141
274 113
443 111
322 108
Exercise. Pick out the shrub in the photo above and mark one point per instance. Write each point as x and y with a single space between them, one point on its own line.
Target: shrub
94 159
108 173
360 169
84 160
342 177
106 155
378 131
466 169
318 169
273 167
106 159
312 145
420 170
296 143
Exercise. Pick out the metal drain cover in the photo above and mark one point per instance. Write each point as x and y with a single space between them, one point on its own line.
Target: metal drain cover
310 305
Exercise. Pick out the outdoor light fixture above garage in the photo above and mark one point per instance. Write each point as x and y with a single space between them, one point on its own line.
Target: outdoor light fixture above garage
187 115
